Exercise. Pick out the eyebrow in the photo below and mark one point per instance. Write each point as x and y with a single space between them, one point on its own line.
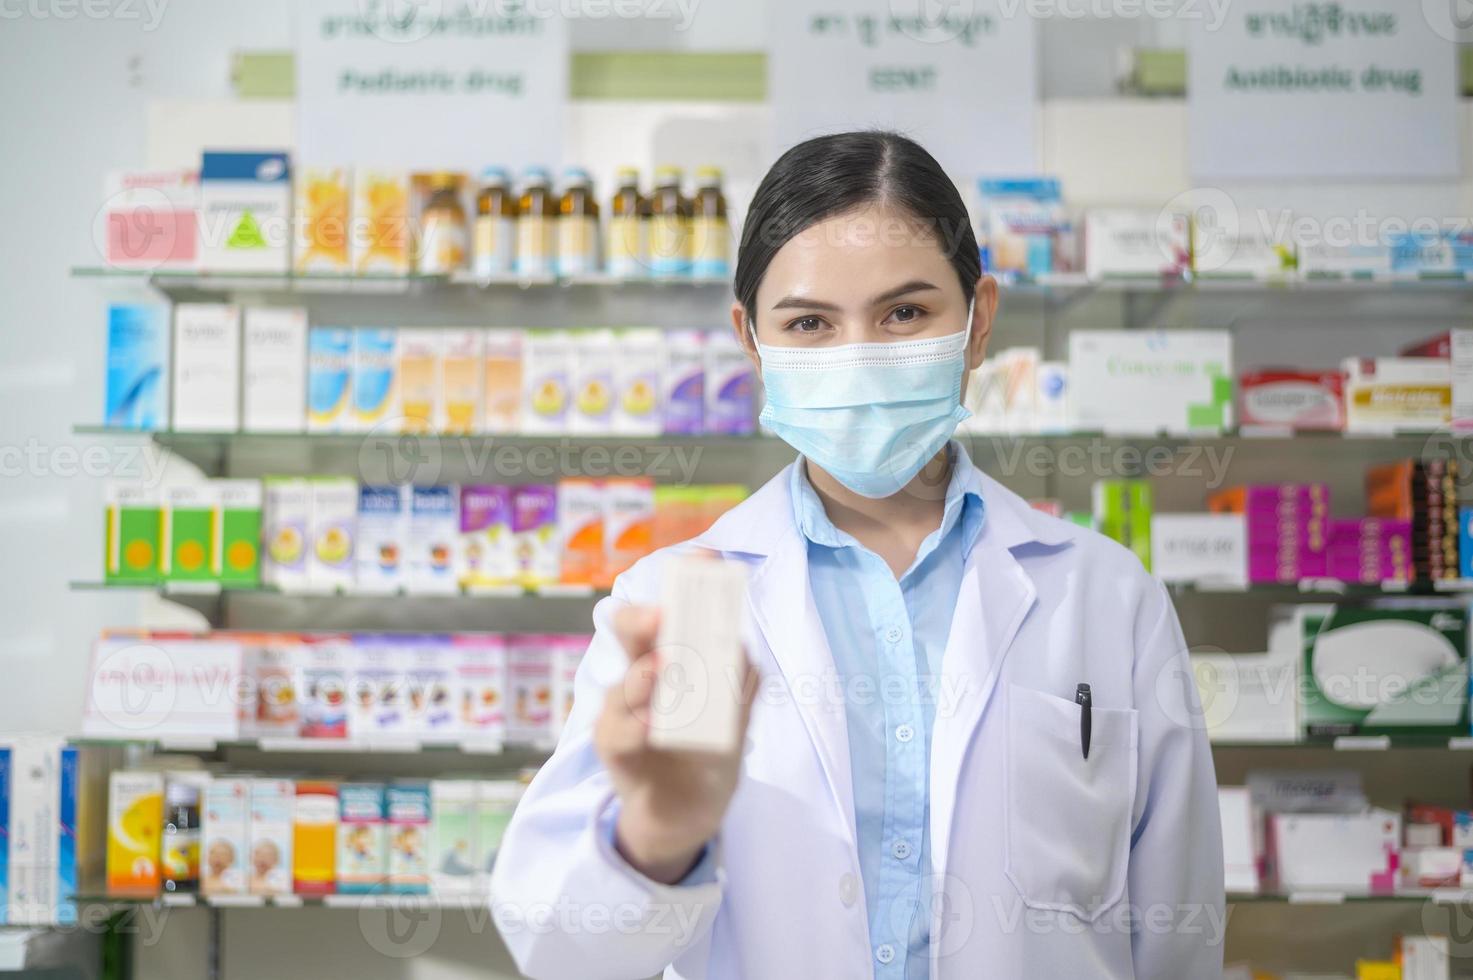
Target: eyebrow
799 302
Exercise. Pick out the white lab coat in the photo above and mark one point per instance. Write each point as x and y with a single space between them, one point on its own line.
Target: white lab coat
1045 866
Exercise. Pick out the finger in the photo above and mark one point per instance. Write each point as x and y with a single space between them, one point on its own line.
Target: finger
636 628
620 732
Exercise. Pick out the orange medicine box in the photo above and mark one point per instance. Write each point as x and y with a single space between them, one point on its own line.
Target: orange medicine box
629 524
315 838
580 514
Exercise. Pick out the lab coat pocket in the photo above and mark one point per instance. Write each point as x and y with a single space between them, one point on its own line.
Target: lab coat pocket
1068 818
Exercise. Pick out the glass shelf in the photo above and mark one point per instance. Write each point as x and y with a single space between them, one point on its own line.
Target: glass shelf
198 281
1355 743
217 589
1446 896
517 754
1053 284
1417 896
168 437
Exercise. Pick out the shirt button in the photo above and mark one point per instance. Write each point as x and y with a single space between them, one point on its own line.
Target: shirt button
901 849
884 952
848 889
904 733
894 633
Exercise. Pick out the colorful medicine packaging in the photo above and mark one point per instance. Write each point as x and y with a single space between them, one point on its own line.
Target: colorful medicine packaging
529 688
135 828
547 379
315 837
151 220
224 854
434 531
1024 228
430 681
206 368
481 669
729 384
535 530
374 385
362 852
329 379
273 805
1287 528
133 535
333 527
592 382
462 374
322 677
192 542
286 517
487 551
383 530
378 691
1397 394
419 357
453 868
137 383
379 239
323 202
1290 400
496 800
408 807
684 389
639 356
1136 243
244 212
502 382
1377 671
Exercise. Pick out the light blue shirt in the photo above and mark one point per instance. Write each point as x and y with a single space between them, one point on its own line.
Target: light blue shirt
887 637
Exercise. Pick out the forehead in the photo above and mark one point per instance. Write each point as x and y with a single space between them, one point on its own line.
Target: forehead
868 248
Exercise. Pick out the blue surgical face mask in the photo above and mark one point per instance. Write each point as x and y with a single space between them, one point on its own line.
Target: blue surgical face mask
871 415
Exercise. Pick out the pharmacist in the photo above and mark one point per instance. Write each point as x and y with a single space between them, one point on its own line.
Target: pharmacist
970 750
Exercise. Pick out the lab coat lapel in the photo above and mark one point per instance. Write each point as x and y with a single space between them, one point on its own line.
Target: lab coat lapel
995 597
782 603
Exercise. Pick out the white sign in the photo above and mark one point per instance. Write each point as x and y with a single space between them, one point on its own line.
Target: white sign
432 85
959 78
1350 89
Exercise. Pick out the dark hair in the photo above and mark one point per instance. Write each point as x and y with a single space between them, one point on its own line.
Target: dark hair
840 173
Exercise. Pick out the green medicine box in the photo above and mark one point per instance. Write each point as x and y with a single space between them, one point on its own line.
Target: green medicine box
240 532
1385 671
191 534
133 523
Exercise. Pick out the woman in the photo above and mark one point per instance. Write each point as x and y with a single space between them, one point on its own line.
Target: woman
970 750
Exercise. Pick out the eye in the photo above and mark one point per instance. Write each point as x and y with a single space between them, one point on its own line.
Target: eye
807 324
906 314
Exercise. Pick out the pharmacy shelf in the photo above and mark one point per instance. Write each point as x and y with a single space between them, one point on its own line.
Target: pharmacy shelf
171 282
1438 896
1055 283
513 754
258 606
1328 588
521 754
353 902
1415 896
214 451
217 589
1355 743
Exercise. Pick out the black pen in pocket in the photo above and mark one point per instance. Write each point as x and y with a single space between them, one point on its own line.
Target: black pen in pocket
1083 698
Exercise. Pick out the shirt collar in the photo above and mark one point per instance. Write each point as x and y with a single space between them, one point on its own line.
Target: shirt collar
963 503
